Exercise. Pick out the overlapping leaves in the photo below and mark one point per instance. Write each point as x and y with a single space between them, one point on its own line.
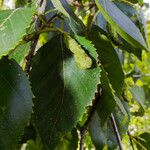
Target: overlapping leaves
103 136
62 92
108 58
75 23
13 25
121 23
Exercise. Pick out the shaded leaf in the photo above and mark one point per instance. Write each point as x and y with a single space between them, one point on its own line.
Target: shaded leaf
62 92
103 136
144 140
15 103
107 101
98 133
69 141
108 58
13 25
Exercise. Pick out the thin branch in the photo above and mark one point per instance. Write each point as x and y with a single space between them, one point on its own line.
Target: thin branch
55 16
130 138
30 55
38 23
116 131
86 124
140 75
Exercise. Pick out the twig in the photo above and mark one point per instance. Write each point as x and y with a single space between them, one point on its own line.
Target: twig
55 16
38 23
140 75
86 124
131 142
116 131
30 55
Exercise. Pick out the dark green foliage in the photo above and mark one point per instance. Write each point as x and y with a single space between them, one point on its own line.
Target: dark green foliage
108 58
62 92
15 103
80 58
143 141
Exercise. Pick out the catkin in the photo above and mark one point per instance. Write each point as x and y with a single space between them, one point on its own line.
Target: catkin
81 57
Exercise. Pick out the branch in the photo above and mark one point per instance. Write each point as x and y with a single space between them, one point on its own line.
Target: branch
38 23
83 130
116 131
130 138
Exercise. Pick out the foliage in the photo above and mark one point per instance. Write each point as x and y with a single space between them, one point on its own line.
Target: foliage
74 75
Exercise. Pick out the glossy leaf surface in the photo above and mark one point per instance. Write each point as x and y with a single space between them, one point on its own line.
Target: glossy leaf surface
122 24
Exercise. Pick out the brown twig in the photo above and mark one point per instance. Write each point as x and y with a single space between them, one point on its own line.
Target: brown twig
83 130
116 131
38 23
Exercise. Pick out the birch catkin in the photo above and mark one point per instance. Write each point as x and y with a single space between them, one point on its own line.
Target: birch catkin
81 57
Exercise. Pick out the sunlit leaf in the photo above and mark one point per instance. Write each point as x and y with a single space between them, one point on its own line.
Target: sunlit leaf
13 25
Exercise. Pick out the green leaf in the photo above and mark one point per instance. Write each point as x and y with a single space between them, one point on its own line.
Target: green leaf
4 14
62 92
76 24
97 132
15 103
13 25
120 104
103 136
144 140
138 94
34 144
20 53
69 141
109 59
86 44
135 14
107 101
143 25
137 18
121 43
121 23
126 7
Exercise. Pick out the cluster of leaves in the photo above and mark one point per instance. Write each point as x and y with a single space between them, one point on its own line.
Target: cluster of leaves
67 68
